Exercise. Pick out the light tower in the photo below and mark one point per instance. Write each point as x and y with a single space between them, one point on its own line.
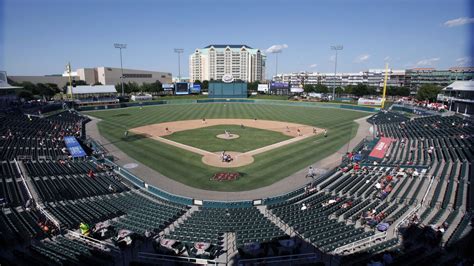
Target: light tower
179 51
276 63
335 48
121 46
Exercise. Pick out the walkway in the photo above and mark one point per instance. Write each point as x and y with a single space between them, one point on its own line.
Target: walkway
285 185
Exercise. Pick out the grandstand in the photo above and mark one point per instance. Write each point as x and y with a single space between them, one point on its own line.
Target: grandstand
58 208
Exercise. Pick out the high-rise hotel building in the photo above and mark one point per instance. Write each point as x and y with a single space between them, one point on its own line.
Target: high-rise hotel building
216 60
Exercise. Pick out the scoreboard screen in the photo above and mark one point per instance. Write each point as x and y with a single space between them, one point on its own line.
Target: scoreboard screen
182 88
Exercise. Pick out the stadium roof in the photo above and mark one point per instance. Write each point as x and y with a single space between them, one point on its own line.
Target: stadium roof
4 82
94 89
230 46
461 85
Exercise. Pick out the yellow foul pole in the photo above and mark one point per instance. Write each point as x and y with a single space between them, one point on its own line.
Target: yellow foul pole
385 84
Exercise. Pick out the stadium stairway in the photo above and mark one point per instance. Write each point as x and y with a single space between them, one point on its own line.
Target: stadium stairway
29 181
277 221
171 227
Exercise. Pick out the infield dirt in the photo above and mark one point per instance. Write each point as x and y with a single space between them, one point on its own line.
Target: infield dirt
297 131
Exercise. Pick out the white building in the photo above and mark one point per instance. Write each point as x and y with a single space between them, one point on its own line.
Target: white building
240 61
111 75
371 77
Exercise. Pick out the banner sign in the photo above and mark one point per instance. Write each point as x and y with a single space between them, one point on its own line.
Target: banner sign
381 148
262 88
196 88
74 147
279 85
168 87
363 101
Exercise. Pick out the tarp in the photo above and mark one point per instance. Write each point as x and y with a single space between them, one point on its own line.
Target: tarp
380 148
74 147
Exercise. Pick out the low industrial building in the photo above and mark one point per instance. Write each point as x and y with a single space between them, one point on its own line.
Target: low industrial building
99 75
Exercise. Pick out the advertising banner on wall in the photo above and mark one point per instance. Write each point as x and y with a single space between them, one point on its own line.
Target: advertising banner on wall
262 88
363 101
196 88
168 86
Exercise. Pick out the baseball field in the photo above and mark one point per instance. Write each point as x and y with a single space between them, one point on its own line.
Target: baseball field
277 150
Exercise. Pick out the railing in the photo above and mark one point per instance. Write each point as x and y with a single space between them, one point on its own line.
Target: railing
396 229
159 258
283 260
142 185
352 246
37 205
94 242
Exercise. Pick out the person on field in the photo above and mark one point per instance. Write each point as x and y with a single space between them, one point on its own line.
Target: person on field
125 134
325 133
311 172
204 120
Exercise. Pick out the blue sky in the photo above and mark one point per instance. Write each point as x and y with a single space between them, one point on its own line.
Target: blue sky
40 37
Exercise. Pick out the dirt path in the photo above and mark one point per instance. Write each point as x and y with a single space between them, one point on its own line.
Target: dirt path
297 131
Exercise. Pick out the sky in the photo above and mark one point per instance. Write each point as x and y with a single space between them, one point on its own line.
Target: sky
39 37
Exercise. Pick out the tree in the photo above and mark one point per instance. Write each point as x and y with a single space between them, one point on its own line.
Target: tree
348 89
339 90
252 86
321 88
398 91
205 85
97 83
308 88
428 92
25 94
372 90
360 90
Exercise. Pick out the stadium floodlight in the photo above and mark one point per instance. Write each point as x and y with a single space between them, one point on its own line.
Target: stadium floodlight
121 46
335 48
276 61
179 51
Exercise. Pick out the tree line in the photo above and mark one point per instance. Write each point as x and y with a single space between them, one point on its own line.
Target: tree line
47 91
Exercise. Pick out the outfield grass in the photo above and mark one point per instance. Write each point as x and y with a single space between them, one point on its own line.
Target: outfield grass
269 167
249 138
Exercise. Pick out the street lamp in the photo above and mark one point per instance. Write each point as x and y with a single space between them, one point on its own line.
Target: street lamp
121 46
335 48
179 51
276 58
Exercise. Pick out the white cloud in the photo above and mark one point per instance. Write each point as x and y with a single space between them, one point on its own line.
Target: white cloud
362 58
276 48
458 22
427 62
313 65
464 61
387 58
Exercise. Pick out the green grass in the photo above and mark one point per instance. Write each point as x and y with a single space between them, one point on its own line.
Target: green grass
269 167
268 97
205 138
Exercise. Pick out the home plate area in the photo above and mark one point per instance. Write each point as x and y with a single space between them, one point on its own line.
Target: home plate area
225 176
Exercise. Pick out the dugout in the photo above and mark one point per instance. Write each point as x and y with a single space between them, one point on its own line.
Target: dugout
227 90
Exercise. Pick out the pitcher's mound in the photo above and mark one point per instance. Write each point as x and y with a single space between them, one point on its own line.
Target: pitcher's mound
228 136
238 159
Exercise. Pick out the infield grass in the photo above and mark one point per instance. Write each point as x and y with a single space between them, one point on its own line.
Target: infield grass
269 167
206 138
